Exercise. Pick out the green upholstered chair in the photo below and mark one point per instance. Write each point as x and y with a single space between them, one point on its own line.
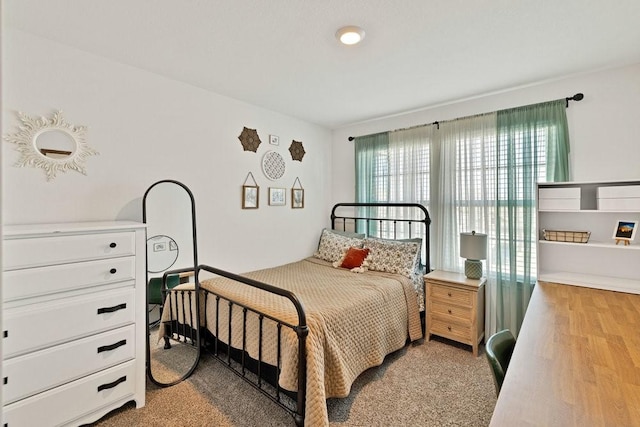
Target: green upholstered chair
157 293
499 349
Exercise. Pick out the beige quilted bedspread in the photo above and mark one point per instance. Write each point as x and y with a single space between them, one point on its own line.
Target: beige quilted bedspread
354 321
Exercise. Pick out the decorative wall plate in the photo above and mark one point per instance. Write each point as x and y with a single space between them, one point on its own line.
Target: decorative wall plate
297 150
273 165
249 139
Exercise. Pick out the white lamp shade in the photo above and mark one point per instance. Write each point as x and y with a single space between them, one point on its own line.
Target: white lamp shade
473 245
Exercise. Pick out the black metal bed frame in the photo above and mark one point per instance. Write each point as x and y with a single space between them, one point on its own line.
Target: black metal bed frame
365 222
243 363
271 389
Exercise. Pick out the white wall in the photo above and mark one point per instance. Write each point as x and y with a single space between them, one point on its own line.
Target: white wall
147 128
604 126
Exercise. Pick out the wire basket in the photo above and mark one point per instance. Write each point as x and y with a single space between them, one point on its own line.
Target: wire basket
566 236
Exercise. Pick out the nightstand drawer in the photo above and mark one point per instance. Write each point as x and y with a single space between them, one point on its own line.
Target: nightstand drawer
452 295
453 330
451 312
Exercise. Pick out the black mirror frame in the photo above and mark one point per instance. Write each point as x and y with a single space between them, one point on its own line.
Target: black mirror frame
164 279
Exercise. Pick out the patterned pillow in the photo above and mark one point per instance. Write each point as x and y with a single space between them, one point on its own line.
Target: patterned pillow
393 256
333 245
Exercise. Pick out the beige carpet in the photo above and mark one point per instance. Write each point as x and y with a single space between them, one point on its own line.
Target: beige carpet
436 383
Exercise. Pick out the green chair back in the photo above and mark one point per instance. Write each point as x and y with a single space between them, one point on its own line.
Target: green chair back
499 349
155 288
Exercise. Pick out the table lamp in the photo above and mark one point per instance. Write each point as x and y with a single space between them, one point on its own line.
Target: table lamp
473 247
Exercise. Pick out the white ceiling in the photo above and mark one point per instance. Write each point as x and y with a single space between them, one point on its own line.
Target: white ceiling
282 54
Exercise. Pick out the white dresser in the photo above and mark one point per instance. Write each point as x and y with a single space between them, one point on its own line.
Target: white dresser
73 318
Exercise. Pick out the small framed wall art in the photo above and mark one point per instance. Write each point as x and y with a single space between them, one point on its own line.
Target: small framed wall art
297 198
250 193
625 231
250 196
277 196
297 195
274 140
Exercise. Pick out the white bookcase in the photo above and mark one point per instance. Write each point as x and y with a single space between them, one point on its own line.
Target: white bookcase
595 207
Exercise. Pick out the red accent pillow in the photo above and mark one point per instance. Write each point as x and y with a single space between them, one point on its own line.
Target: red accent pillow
354 257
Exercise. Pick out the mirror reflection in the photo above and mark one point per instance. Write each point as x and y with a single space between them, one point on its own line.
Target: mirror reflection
56 144
163 253
173 341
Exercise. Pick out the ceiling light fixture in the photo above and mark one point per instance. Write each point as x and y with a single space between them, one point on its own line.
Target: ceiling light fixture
350 35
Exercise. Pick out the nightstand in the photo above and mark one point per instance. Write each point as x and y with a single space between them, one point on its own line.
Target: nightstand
455 307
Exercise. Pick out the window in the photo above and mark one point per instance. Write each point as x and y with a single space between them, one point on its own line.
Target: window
475 173
486 182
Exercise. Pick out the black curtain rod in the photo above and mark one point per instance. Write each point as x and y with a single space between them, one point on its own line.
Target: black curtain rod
576 97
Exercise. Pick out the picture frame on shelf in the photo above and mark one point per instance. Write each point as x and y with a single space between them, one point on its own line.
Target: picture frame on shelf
250 197
297 198
625 231
277 196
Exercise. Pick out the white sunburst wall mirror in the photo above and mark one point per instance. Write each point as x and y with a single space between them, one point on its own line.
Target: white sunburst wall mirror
52 144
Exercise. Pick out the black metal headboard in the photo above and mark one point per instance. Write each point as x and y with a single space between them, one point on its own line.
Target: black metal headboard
385 220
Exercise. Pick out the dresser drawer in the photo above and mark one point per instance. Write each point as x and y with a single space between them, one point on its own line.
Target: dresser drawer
35 326
452 295
61 405
42 370
34 252
445 328
19 284
451 312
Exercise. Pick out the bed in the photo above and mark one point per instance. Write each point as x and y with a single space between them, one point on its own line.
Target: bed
303 332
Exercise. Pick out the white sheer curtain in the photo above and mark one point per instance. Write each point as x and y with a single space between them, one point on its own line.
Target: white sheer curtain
409 162
469 179
410 165
452 171
464 188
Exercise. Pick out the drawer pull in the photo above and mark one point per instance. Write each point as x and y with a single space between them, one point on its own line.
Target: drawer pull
113 245
449 328
112 309
113 271
5 380
113 384
5 334
449 311
112 346
449 293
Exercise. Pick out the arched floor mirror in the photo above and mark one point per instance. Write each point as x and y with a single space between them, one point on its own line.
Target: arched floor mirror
168 210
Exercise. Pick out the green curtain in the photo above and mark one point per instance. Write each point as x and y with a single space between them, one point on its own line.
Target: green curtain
520 133
370 152
372 183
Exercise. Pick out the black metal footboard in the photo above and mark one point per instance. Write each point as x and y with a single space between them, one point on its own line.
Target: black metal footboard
181 306
223 353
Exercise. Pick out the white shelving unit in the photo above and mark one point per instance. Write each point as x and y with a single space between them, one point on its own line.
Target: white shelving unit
600 263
